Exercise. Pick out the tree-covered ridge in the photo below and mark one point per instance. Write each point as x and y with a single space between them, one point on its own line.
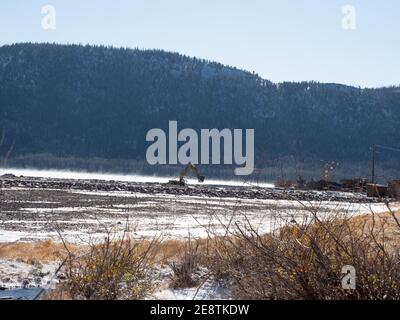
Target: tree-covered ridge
94 101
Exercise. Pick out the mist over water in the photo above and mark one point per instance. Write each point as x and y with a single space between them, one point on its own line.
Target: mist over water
58 174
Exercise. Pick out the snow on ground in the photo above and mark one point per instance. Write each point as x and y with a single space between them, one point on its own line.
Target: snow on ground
210 290
17 273
207 288
31 215
81 216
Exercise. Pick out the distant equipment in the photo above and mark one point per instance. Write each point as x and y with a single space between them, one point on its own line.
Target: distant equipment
394 189
356 184
182 181
377 190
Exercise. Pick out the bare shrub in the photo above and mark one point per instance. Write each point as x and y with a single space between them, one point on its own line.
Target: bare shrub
186 263
305 261
116 268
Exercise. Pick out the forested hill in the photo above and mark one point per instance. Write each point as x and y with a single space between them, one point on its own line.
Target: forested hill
91 101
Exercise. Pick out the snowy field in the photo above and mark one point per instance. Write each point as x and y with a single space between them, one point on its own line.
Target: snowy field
77 216
87 215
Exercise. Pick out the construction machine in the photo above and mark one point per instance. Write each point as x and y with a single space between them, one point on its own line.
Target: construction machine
182 181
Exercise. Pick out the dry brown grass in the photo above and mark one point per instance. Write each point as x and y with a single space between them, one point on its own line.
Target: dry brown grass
382 219
170 250
48 250
42 251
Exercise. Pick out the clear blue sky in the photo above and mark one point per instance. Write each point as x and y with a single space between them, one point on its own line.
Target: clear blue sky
282 40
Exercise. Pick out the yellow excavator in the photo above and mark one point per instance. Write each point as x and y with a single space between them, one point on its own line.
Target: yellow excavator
182 181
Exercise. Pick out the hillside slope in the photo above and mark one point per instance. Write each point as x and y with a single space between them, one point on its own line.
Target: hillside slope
86 101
